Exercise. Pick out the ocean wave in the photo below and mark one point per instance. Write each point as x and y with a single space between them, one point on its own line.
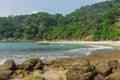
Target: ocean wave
2 61
49 54
88 51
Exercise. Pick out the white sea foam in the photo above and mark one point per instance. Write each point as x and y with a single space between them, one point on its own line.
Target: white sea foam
88 51
23 51
2 61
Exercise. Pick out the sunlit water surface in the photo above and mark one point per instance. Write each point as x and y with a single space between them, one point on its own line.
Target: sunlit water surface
20 51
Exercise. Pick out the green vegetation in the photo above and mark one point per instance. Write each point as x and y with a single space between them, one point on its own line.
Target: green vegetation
100 21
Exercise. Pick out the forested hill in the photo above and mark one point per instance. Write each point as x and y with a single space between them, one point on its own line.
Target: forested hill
100 21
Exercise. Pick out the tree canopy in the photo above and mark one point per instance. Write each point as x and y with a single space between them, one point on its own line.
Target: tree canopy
100 21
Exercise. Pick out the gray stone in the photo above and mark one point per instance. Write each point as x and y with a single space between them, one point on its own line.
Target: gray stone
103 69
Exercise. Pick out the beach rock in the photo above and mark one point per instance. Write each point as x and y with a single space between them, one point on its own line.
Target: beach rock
114 76
83 66
103 69
81 70
8 65
36 75
29 77
72 75
82 62
99 77
38 66
114 64
87 76
31 64
56 74
6 74
84 69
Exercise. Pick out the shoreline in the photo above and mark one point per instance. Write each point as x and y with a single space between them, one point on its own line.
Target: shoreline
104 43
60 69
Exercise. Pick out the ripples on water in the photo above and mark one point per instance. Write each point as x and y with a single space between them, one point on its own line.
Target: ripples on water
19 51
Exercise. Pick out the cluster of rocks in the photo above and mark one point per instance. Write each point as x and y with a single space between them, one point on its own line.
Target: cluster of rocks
28 70
83 70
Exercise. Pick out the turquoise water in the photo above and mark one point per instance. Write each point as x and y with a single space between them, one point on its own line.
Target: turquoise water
20 51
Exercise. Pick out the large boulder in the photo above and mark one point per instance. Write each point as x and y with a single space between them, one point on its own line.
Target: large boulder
82 62
29 77
75 75
114 76
103 69
8 65
114 64
87 76
72 75
36 75
31 64
83 66
81 70
56 74
5 75
99 77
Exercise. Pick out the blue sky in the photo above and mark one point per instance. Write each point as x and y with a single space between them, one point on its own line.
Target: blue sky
18 7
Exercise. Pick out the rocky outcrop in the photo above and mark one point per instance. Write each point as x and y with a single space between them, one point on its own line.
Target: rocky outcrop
6 74
7 69
100 77
31 64
103 69
114 76
10 70
8 65
36 75
81 69
56 74
114 64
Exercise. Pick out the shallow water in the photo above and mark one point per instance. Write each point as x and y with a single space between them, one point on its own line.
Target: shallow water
20 51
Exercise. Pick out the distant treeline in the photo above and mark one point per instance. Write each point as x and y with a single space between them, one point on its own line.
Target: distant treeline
100 21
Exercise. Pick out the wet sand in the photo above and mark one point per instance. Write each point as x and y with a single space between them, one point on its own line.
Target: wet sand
105 43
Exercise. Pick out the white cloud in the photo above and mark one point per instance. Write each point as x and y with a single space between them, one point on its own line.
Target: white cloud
34 12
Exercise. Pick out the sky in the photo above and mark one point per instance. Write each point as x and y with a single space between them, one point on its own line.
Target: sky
20 7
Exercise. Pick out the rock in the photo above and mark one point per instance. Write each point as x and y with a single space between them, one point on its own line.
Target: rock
17 72
29 77
72 75
8 65
85 69
82 62
114 64
20 73
6 74
99 77
31 64
82 70
83 66
87 76
56 74
36 75
103 69
38 66
114 76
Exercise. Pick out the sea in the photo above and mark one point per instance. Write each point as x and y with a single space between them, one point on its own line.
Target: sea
20 51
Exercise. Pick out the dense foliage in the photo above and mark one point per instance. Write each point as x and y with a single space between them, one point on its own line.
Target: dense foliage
100 21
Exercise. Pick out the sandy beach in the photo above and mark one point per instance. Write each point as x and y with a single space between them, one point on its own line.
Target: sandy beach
105 43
